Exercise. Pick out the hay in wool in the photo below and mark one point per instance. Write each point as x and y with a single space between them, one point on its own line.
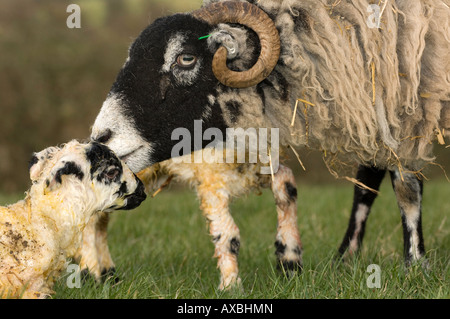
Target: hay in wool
378 93
445 119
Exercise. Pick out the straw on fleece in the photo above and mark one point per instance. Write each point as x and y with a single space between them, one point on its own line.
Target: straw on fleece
378 93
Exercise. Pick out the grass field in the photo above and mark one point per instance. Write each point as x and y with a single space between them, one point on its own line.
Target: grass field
163 250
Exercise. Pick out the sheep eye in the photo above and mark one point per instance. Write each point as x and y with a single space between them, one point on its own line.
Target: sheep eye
112 173
186 60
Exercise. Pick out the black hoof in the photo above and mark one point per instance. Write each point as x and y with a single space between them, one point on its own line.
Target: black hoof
290 267
86 276
109 273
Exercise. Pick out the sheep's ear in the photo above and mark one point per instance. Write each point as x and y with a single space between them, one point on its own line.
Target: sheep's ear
235 39
38 162
65 166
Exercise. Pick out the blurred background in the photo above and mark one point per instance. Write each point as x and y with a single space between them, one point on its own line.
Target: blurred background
53 79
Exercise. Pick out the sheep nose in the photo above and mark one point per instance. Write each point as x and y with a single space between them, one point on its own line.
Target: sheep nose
103 137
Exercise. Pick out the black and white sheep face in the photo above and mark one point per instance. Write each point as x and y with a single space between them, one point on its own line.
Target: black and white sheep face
166 83
90 173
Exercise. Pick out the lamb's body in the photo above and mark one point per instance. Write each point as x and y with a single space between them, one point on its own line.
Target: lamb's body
39 233
216 185
30 251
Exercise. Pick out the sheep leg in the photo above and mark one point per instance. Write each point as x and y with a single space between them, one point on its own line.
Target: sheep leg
288 244
224 233
362 203
87 254
408 190
106 263
94 257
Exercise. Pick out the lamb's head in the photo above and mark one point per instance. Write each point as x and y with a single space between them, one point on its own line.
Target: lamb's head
173 76
86 175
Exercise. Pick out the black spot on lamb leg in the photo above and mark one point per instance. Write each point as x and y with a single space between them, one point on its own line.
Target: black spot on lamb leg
291 190
280 249
288 266
234 246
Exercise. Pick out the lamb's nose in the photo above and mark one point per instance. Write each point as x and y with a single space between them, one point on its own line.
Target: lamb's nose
103 137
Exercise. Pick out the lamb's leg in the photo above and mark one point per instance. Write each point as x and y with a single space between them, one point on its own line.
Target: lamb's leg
106 263
224 233
288 244
87 254
362 202
93 255
408 190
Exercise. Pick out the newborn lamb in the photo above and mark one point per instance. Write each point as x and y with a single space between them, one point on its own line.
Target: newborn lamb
38 234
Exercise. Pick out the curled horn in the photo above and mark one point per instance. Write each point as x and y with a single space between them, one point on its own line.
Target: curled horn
254 18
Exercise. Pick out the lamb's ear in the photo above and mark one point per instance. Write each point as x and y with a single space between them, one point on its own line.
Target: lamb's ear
65 166
241 46
38 161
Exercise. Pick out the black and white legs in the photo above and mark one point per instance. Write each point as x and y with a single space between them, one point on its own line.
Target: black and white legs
362 203
408 190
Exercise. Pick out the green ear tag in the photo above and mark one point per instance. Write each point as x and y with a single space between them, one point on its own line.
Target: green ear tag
204 37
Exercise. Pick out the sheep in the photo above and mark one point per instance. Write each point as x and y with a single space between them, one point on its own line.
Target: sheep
38 234
316 70
216 186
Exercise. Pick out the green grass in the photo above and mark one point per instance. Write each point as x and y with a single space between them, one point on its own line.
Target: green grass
163 250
